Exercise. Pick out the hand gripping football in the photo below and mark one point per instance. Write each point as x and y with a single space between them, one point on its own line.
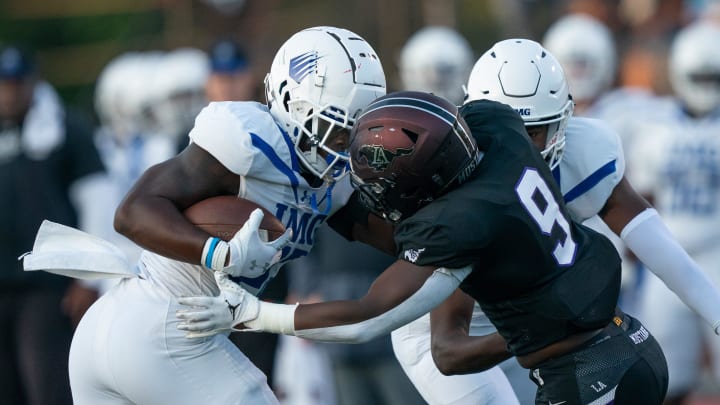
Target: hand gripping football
223 216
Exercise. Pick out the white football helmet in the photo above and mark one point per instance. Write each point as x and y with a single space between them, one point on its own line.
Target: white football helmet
695 67
179 90
320 80
123 93
436 60
586 49
523 75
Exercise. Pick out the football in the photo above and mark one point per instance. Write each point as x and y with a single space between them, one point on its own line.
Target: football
223 216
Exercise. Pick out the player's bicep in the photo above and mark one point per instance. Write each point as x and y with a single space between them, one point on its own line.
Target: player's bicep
191 176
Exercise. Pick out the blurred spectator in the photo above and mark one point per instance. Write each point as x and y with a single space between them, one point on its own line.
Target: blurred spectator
436 60
675 162
335 269
231 78
46 158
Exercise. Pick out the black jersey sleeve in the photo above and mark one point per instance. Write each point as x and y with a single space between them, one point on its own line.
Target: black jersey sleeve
439 235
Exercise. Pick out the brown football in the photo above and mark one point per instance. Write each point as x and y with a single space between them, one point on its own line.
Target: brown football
223 216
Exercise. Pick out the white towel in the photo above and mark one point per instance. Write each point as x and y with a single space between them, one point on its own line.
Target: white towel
67 251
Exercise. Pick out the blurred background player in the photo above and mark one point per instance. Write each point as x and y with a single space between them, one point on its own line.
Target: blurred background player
586 50
675 161
178 92
47 159
231 77
436 60
138 125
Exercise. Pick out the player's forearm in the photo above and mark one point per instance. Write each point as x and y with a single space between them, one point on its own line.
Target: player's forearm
353 322
650 240
459 353
155 224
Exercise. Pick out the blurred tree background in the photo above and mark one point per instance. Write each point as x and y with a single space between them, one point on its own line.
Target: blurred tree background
74 39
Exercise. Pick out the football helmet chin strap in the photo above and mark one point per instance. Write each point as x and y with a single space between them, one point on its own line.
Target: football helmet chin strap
210 315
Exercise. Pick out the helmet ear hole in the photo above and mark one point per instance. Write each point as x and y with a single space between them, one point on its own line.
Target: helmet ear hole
410 134
286 99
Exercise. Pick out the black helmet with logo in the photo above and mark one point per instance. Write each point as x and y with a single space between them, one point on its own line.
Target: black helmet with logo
408 148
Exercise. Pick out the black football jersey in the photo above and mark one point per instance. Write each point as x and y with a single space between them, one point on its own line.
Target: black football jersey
537 275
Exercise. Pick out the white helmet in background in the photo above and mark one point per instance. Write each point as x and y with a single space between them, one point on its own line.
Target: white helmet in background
321 79
523 75
179 90
436 60
695 67
586 49
123 93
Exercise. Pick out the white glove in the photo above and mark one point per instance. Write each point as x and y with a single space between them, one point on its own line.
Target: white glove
249 255
208 316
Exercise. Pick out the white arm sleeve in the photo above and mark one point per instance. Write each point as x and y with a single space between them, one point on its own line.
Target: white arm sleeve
434 291
651 241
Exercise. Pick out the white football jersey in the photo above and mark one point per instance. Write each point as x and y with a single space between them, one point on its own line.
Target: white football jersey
676 160
245 138
591 167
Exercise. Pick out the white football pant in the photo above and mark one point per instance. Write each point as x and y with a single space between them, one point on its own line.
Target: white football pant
128 350
411 344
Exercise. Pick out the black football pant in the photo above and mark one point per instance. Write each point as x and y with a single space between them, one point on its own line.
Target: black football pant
622 365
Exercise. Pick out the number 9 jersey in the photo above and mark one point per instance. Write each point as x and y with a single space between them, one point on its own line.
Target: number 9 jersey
538 276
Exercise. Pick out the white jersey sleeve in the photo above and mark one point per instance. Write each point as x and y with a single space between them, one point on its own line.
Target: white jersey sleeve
236 133
592 165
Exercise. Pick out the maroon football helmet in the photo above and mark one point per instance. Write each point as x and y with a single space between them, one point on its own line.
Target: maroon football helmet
408 148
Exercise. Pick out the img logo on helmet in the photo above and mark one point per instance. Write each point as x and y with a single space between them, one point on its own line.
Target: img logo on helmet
524 111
